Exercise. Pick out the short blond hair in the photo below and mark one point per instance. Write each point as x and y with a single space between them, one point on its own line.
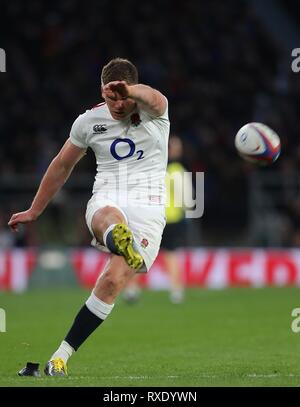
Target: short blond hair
119 69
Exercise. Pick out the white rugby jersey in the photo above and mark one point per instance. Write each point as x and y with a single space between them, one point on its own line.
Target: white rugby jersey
131 154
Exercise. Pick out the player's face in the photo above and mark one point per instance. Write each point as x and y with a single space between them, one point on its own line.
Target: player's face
121 108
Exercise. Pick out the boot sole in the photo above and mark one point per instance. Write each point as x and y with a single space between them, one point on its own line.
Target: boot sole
123 240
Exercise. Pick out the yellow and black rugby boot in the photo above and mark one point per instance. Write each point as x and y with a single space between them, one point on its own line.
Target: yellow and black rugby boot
123 241
56 367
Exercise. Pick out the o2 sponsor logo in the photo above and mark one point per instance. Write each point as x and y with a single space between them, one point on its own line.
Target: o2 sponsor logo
130 151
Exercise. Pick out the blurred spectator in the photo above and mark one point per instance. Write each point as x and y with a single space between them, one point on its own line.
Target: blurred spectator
7 239
175 232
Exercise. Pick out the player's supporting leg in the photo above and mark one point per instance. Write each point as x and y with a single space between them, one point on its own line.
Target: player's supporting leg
110 283
132 291
176 284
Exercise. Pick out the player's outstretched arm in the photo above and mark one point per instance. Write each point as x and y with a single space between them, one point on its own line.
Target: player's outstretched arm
56 175
151 100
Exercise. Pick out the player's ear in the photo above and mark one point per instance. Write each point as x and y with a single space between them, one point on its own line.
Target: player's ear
102 94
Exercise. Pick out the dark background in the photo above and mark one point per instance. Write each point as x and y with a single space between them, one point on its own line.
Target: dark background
218 64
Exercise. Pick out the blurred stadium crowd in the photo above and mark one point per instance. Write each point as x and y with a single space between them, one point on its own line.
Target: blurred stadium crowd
215 62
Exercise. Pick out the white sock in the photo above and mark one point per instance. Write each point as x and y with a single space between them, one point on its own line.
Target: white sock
98 307
63 352
177 295
107 232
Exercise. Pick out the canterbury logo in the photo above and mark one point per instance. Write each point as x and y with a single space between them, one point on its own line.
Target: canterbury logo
99 128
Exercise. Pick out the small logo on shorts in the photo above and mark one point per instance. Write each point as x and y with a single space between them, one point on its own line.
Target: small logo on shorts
155 198
144 243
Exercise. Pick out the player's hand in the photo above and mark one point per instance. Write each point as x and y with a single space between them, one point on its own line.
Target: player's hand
116 90
21 217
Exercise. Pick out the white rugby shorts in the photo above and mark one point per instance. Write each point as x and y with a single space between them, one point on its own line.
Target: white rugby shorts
146 222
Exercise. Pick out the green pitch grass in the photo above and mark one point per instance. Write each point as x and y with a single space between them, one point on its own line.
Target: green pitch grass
233 337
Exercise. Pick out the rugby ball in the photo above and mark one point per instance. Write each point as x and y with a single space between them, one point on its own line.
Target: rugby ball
258 143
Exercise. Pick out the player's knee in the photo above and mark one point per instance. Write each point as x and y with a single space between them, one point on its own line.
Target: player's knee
104 217
113 214
108 210
99 217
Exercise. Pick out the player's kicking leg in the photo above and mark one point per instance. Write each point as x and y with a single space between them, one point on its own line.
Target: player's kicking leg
110 228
